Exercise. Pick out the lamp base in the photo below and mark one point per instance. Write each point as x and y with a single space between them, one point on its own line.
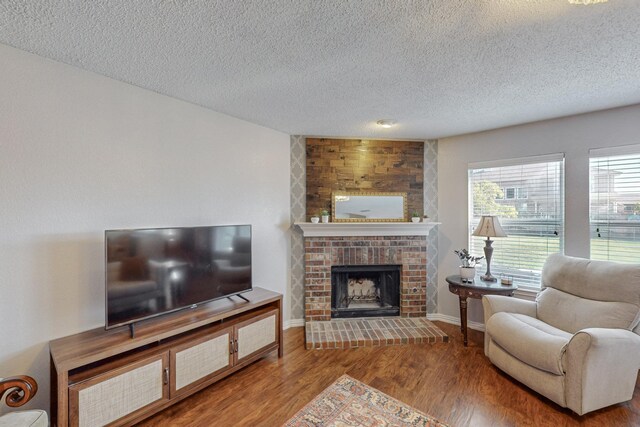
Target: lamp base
488 252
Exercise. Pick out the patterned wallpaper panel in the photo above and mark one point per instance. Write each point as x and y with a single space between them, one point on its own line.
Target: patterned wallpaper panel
298 202
298 214
431 209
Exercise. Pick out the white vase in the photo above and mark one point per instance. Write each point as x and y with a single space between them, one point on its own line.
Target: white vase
325 219
415 219
467 273
315 219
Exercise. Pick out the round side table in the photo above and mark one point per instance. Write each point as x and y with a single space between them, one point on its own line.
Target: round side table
475 289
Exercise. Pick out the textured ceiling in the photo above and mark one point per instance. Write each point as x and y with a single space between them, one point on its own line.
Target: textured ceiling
331 68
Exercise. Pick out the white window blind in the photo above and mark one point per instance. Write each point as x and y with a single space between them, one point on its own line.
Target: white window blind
614 203
533 217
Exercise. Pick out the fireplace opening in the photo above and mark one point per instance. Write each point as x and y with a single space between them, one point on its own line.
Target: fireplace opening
365 290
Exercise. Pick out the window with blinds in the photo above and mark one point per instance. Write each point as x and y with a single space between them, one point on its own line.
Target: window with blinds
527 195
614 203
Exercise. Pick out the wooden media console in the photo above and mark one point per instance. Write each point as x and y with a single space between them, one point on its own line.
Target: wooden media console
101 377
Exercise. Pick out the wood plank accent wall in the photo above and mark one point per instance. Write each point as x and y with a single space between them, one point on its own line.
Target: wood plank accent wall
363 165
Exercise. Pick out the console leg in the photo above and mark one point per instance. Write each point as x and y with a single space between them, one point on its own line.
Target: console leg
132 330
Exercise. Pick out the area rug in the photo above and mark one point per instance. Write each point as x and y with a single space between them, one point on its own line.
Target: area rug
348 402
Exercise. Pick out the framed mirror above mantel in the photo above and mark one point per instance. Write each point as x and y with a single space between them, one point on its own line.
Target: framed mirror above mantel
369 207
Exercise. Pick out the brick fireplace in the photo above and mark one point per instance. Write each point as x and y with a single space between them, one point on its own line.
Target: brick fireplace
323 252
397 253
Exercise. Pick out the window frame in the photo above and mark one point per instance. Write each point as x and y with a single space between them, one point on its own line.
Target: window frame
610 157
530 280
513 192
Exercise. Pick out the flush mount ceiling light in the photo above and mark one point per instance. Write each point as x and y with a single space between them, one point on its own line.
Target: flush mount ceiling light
587 1
386 123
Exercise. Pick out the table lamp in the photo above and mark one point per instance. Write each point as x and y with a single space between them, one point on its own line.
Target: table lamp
489 227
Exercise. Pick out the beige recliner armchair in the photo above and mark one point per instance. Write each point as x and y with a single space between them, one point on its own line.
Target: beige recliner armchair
579 343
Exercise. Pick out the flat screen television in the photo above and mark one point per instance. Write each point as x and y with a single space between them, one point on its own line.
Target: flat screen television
154 271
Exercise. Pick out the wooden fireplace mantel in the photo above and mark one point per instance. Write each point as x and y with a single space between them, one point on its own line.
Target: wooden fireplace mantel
339 229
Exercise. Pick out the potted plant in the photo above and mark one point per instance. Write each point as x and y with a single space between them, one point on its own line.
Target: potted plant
468 267
415 216
325 216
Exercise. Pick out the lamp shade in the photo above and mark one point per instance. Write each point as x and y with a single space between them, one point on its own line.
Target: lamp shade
489 226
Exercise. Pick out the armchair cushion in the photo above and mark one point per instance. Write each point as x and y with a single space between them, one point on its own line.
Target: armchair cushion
530 340
584 313
33 418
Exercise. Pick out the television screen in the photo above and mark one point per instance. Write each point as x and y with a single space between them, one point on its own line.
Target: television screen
158 270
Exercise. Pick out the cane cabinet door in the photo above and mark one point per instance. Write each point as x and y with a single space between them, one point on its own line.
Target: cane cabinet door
195 362
119 394
256 335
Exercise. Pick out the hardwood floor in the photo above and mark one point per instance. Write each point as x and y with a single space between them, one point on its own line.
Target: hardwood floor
455 384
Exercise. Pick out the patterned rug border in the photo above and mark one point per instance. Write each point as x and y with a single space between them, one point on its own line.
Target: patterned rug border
392 407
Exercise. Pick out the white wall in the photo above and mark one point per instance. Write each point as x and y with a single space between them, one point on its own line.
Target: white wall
81 153
573 136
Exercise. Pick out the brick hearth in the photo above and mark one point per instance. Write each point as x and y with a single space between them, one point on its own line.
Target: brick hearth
323 252
371 332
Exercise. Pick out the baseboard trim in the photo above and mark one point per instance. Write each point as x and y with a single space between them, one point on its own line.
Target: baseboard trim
292 323
476 326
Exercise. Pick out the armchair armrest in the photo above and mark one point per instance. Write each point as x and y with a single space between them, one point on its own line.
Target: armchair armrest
496 303
492 304
601 368
19 390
